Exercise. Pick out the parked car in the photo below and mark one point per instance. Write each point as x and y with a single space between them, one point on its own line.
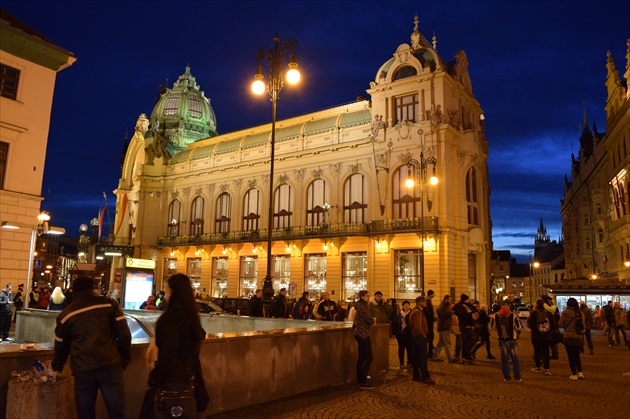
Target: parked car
239 306
209 307
522 312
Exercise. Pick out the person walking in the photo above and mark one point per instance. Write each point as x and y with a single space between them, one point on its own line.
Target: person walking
18 301
620 322
572 322
483 331
363 321
587 314
458 335
178 337
57 300
611 323
6 312
402 335
444 321
419 342
279 305
540 322
508 328
93 332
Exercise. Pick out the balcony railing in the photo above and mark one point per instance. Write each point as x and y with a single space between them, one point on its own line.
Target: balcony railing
324 231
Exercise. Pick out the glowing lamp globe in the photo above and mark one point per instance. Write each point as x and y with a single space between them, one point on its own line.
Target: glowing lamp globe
258 87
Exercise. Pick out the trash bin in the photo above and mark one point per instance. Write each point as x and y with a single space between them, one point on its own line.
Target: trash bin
29 399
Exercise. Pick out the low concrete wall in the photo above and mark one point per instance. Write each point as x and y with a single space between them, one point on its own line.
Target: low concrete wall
240 369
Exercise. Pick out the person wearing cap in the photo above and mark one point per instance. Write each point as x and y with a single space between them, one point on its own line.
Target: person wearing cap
18 301
429 313
467 315
419 343
380 309
93 332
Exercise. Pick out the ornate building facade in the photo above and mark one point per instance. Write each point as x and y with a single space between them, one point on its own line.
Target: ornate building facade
596 203
343 218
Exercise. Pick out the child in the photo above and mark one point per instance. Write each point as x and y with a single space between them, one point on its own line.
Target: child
508 327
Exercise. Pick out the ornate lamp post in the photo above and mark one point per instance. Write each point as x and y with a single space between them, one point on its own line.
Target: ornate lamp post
275 57
417 175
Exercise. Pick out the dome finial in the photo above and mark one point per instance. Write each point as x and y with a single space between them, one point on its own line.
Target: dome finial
415 36
434 41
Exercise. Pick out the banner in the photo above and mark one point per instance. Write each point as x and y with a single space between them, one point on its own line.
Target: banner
121 210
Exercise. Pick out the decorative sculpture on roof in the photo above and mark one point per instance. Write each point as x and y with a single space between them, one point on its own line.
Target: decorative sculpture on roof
377 124
455 119
435 116
142 124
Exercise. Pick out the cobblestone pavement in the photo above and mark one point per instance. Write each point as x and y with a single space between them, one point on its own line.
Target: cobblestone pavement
474 391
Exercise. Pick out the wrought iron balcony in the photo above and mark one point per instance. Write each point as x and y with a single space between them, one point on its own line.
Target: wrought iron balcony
324 231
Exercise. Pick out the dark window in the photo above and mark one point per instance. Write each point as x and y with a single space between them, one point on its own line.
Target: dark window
4 154
471 196
9 78
406 108
404 72
173 218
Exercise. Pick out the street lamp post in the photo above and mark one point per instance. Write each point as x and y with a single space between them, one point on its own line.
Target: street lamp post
41 227
275 57
419 169
531 273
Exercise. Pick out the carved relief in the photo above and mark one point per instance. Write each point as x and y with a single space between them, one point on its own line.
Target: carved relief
237 183
318 173
354 168
186 192
251 183
283 179
435 116
461 157
142 124
210 188
198 191
404 129
404 157
299 174
224 187
336 168
455 119
377 124
266 179
382 160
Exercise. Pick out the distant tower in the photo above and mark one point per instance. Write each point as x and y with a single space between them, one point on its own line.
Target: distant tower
542 238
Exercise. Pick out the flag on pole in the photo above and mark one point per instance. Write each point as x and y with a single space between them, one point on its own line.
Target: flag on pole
101 216
605 259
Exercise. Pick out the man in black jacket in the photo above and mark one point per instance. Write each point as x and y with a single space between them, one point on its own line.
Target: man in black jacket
429 313
279 305
256 304
611 322
94 333
466 314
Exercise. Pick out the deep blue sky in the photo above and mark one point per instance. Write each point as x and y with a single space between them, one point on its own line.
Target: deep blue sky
533 64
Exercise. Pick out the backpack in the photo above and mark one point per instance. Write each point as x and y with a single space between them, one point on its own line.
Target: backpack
543 323
505 327
579 324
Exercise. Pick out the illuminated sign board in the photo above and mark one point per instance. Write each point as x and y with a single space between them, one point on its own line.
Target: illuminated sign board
140 263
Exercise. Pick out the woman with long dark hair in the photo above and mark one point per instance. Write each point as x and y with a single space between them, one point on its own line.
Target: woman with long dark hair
178 337
540 322
572 337
362 324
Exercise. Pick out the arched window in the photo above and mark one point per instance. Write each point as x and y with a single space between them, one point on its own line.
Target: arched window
282 207
404 72
173 218
355 199
251 210
405 201
316 196
196 216
223 213
471 196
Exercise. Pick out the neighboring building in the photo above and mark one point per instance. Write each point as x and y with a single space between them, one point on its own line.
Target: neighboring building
29 64
501 261
196 202
596 204
520 276
550 258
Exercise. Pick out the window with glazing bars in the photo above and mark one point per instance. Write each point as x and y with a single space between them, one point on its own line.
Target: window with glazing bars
196 216
171 106
317 196
9 78
224 207
406 108
282 209
173 218
251 210
355 199
194 107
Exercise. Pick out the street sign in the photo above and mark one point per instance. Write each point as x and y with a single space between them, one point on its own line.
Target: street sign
37 264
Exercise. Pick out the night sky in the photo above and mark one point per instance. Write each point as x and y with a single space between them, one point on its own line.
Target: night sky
534 65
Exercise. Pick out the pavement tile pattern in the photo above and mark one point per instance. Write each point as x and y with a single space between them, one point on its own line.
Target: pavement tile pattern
472 391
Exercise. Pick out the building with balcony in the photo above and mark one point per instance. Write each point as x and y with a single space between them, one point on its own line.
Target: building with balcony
29 64
343 219
596 203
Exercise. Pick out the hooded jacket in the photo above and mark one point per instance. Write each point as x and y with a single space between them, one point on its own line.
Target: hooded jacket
567 322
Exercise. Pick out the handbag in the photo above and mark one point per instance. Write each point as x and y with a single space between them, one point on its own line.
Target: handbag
175 400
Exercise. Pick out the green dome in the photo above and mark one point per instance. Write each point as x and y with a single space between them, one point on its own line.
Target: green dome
183 114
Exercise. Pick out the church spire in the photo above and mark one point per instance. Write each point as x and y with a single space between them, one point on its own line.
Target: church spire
542 238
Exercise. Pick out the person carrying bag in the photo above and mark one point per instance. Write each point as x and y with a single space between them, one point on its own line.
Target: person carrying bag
176 383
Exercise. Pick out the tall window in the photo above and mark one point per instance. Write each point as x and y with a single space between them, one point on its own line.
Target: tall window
196 216
193 270
281 272
282 208
406 108
471 196
251 210
406 201
9 78
173 218
317 196
600 234
4 154
315 274
223 217
194 106
171 106
407 280
354 274
355 199
472 276
219 275
249 275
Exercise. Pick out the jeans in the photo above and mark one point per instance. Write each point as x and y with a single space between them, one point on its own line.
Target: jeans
541 353
445 342
110 381
621 329
509 350
364 361
5 325
404 344
575 363
483 338
610 332
419 357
